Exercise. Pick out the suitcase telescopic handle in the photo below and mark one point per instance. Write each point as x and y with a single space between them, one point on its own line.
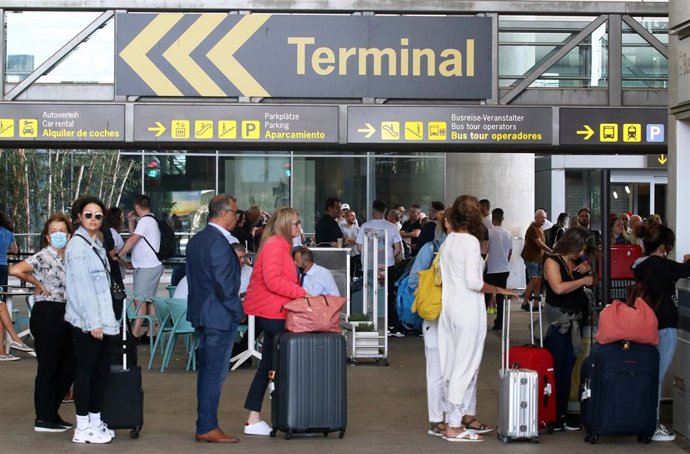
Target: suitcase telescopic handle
505 335
531 321
124 334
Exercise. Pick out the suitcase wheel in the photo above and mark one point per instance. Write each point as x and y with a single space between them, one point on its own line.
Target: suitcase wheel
549 429
535 439
134 433
325 434
342 434
504 438
644 439
593 438
288 434
273 432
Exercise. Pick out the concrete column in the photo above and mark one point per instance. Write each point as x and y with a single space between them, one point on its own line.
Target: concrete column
506 179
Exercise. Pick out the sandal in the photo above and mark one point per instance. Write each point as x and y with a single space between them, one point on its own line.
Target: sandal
478 428
437 429
467 436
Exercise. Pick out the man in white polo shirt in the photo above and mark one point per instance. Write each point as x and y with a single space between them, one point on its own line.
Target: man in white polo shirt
144 241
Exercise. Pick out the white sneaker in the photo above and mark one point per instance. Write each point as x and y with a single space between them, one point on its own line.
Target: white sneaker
258 428
663 434
90 435
103 428
9 357
21 346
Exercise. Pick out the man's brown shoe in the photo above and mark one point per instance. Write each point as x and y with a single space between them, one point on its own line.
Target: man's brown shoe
216 436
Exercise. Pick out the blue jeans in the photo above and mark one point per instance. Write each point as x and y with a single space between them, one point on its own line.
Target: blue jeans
561 348
668 339
213 354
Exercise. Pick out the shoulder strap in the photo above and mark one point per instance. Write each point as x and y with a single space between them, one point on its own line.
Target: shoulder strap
560 260
147 241
93 248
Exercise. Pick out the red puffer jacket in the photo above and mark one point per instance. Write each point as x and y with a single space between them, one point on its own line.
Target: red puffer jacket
274 281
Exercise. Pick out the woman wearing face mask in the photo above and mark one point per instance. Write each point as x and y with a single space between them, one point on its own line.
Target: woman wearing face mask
90 312
53 339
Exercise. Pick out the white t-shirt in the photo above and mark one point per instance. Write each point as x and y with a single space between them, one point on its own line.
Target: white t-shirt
144 256
393 237
500 244
350 233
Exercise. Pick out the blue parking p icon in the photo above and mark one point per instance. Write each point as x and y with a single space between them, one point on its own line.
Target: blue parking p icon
655 133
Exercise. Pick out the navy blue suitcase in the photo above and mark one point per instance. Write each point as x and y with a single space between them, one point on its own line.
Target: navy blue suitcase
310 384
619 385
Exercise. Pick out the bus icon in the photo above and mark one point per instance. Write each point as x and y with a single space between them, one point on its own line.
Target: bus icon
608 132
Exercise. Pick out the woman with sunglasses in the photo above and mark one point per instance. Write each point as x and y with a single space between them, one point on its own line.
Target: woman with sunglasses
90 312
274 282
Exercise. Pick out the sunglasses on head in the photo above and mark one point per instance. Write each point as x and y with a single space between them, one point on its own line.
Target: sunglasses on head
89 214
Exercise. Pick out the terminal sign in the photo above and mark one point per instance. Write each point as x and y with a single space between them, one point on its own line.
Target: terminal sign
62 122
624 126
303 56
228 124
449 125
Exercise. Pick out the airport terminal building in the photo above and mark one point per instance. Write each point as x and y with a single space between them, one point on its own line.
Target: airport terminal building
520 102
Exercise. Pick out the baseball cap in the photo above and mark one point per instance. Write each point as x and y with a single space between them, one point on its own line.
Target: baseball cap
344 206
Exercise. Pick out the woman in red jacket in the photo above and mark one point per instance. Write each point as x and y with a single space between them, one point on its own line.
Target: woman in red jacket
274 282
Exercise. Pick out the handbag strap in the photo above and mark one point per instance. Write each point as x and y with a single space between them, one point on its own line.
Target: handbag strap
103 262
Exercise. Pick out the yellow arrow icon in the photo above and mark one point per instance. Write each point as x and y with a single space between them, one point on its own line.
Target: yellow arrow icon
223 54
135 54
178 54
158 129
370 130
662 159
588 132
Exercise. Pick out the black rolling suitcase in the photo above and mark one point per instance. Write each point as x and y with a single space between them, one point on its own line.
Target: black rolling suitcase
123 403
310 382
619 391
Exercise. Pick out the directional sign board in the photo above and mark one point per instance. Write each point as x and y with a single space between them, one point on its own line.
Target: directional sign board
449 125
314 56
62 122
606 126
229 124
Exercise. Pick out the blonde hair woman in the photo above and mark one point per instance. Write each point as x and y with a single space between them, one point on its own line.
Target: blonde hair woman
274 282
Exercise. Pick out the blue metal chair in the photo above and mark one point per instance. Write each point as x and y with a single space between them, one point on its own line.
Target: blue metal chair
178 314
164 325
133 315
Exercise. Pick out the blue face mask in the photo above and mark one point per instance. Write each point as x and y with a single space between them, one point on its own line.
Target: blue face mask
58 240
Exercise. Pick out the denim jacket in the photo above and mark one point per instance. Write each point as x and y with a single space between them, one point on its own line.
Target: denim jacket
89 304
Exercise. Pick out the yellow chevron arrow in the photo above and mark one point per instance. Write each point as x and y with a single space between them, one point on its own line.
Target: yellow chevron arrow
179 54
223 55
662 159
135 54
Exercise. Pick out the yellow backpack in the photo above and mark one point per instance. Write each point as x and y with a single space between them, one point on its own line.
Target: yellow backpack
427 296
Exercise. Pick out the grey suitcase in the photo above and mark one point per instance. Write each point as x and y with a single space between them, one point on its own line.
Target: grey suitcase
310 384
517 394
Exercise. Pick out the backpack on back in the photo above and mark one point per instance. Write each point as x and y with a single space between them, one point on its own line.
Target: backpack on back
168 246
405 297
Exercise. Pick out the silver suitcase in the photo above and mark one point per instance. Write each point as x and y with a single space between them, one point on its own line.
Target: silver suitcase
517 394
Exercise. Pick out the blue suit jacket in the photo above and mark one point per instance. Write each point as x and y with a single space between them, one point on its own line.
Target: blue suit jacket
213 274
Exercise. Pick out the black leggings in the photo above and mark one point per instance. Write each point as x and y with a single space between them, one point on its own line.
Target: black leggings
92 361
255 396
55 356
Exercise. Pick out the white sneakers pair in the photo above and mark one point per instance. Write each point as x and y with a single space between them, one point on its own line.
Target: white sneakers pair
258 428
94 435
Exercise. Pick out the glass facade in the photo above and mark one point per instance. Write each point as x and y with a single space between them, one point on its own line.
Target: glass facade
181 183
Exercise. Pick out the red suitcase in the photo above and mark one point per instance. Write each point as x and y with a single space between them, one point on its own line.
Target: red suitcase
539 359
622 258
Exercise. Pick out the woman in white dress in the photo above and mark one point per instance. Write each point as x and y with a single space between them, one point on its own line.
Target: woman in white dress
462 323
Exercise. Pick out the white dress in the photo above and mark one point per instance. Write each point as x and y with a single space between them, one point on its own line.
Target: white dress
462 324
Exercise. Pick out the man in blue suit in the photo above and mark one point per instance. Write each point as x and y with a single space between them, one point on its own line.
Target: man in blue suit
214 309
